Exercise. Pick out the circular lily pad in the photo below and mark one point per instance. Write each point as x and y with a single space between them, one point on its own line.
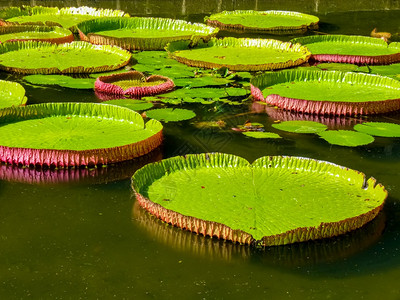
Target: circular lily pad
133 84
300 126
261 135
327 92
32 57
379 129
239 54
11 94
142 33
346 138
276 200
61 80
170 114
350 49
67 17
74 134
271 21
53 34
206 93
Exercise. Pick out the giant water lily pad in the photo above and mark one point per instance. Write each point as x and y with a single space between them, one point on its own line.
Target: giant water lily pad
276 200
67 17
134 84
239 54
350 49
327 92
45 58
142 33
11 94
35 33
379 129
271 21
74 134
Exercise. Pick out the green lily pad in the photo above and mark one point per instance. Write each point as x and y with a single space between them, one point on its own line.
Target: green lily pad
387 70
181 71
239 54
276 200
271 21
201 81
61 80
67 17
74 134
131 104
170 114
206 93
11 94
337 67
45 58
379 129
327 92
262 135
300 126
351 49
142 33
346 138
156 58
37 33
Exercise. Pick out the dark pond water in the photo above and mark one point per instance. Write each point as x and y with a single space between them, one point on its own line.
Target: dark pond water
79 233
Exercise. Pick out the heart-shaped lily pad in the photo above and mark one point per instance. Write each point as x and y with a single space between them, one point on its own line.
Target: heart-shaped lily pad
379 129
276 200
239 54
74 134
33 57
271 21
11 94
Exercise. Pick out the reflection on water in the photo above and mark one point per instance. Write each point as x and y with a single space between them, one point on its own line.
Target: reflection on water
97 175
282 115
291 256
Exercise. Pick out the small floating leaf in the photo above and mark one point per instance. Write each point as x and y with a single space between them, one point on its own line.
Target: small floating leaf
205 93
201 81
131 104
337 67
346 138
379 129
61 80
170 114
300 126
262 135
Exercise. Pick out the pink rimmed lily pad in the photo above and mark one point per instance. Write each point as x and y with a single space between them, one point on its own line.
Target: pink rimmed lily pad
134 84
327 92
